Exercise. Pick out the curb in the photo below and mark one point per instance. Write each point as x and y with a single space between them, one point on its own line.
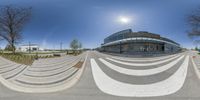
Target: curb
62 87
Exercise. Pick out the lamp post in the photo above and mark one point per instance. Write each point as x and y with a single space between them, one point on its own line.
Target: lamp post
61 46
29 47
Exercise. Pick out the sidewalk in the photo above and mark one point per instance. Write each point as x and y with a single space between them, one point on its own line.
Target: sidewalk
196 58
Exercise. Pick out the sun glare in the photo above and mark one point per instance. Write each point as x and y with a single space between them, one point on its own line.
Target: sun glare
124 20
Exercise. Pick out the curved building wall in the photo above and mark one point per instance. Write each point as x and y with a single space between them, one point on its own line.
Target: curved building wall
138 42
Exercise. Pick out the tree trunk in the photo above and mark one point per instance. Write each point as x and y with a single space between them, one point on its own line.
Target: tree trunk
13 47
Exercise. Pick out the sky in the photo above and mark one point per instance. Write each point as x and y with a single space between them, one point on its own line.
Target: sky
90 21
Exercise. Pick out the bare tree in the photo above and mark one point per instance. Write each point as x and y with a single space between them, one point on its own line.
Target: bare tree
12 21
75 45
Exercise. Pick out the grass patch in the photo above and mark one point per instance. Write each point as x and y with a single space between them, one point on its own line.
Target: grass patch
23 58
28 59
19 58
47 56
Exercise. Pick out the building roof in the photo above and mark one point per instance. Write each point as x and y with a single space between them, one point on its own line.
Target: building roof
127 34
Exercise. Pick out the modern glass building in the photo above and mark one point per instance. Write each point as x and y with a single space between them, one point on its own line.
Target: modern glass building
130 42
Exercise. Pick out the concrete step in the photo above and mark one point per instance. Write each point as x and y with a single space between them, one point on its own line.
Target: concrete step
41 87
51 62
14 72
9 68
52 69
48 72
53 65
46 82
7 65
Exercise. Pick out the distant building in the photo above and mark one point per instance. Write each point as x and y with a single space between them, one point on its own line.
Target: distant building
140 42
31 47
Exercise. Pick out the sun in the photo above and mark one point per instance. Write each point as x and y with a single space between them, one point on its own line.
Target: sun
124 20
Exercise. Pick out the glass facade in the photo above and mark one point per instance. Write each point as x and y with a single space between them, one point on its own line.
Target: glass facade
135 47
127 41
117 36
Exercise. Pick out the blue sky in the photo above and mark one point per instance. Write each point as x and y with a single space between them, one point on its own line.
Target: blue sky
90 21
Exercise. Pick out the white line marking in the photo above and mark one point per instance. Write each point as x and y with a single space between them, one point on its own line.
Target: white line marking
141 72
165 87
144 64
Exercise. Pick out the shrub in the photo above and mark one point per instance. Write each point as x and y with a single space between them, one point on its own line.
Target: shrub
19 58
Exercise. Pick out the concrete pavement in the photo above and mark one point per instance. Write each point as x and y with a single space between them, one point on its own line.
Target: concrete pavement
44 75
182 81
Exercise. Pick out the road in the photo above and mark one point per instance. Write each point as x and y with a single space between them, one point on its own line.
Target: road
109 77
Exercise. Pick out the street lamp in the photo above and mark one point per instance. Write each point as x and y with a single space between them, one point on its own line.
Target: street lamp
61 46
29 46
